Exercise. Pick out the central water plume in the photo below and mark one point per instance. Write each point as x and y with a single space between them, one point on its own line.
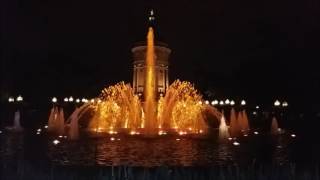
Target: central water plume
150 85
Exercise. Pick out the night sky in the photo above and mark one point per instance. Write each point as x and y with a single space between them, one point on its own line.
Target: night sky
260 50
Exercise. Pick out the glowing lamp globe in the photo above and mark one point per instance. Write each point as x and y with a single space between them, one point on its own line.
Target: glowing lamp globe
277 103
54 100
19 98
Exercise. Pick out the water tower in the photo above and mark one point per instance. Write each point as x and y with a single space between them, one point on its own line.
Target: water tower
162 54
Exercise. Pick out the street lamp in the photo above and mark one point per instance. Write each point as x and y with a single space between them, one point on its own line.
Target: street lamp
232 103
66 99
221 103
70 99
54 100
19 98
215 102
227 101
285 104
277 103
243 103
11 100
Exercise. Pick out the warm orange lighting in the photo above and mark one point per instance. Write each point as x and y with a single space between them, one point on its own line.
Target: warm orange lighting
182 133
180 108
162 133
113 132
150 84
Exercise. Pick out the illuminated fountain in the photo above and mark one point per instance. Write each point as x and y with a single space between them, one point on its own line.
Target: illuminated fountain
52 119
16 123
60 126
234 125
275 127
56 121
150 85
223 129
177 109
74 125
243 121
181 110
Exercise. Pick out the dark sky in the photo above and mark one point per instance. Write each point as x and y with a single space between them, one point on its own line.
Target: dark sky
255 49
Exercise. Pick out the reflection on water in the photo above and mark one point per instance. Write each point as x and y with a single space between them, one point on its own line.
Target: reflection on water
168 151
138 151
141 152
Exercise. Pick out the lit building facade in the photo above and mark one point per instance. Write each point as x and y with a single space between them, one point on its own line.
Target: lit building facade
162 54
